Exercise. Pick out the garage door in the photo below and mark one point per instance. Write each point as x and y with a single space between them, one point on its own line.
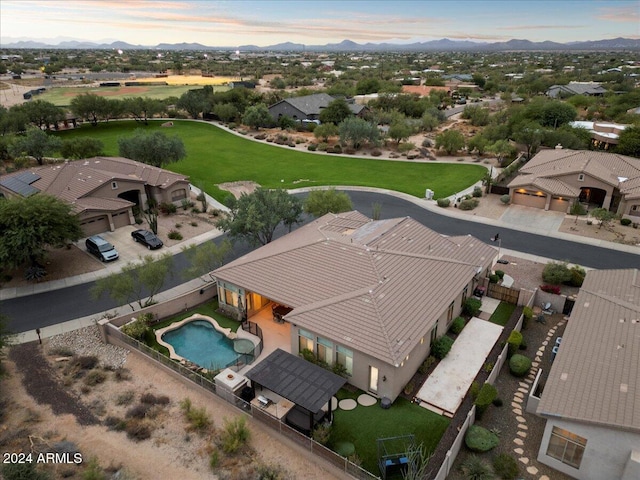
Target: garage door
529 200
93 226
559 204
121 219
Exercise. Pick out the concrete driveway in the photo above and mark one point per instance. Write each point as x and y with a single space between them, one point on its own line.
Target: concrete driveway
518 216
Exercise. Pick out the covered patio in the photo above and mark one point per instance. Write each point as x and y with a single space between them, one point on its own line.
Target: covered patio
307 386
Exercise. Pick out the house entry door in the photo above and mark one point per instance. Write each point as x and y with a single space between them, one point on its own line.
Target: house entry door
373 379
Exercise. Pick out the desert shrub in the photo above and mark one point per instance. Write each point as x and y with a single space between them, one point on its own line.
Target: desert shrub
125 398
93 471
457 325
474 468
187 204
61 351
139 411
322 432
577 276
350 151
94 378
514 342
506 467
174 235
137 329
486 396
625 222
471 306
443 202
270 472
519 365
197 417
235 434
115 423
424 367
555 289
322 147
468 204
493 278
22 471
556 273
137 430
121 374
336 149
193 224
408 388
477 192
479 439
505 199
178 225
86 362
167 208
312 147
376 152
406 147
441 347
151 399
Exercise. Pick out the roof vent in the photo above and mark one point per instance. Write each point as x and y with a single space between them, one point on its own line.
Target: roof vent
624 387
564 376
586 304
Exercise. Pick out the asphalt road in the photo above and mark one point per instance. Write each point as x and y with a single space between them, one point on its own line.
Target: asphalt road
50 308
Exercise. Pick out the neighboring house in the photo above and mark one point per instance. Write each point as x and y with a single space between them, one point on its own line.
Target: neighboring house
590 399
603 134
371 295
102 190
555 179
307 107
242 84
576 88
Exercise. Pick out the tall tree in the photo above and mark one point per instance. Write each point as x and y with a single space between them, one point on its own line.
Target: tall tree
153 148
195 102
90 107
137 281
255 216
356 131
629 142
141 108
324 131
257 116
29 225
205 258
335 112
529 134
42 114
35 143
81 147
400 129
450 141
321 202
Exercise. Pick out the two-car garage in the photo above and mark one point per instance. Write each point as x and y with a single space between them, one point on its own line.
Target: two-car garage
100 223
538 199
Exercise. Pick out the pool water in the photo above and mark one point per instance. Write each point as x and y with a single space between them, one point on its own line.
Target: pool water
203 345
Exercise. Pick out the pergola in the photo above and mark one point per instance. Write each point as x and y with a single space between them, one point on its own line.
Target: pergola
301 382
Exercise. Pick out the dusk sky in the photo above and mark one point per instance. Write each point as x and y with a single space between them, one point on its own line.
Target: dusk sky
317 22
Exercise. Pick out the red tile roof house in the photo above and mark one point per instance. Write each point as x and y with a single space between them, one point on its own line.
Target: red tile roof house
555 179
591 399
371 295
102 190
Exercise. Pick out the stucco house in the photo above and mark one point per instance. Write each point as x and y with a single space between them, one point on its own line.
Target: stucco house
555 179
370 295
590 399
308 107
590 89
102 190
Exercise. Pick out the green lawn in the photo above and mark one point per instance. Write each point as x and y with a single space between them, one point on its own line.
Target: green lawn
502 314
215 156
363 425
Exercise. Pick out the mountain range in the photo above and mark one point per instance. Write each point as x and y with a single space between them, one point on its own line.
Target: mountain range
344 46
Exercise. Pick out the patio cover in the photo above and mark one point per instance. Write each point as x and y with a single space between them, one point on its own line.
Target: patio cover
297 380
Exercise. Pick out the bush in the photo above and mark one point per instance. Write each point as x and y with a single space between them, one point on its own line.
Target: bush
577 276
493 278
322 432
139 411
457 325
312 147
474 468
167 208
376 152
197 417
86 362
187 204
441 347
479 439
505 199
468 204
500 274
406 147
506 467
94 378
137 430
443 202
409 387
235 435
519 365
555 289
514 342
471 306
136 329
22 471
174 235
322 146
486 396
474 390
556 273
477 192
426 365
151 399
125 398
625 222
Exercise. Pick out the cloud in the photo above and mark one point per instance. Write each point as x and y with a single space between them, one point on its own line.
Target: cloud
620 15
541 27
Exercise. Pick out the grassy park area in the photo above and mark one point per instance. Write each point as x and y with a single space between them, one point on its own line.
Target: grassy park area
216 156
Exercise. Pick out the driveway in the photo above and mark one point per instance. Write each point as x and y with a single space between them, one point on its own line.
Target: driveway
543 221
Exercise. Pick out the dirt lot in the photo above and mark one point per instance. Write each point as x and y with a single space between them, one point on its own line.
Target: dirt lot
49 404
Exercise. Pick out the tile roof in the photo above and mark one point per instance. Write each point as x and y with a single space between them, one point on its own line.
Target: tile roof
378 286
313 104
541 171
595 376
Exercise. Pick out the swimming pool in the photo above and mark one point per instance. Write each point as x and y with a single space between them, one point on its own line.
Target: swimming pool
201 343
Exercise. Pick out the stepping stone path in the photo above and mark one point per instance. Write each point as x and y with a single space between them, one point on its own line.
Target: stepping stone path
366 400
347 404
521 434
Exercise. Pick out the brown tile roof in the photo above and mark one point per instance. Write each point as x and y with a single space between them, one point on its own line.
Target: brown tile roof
595 376
550 185
548 164
378 286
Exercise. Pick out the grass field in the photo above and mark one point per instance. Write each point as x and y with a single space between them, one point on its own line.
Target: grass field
363 425
215 156
62 96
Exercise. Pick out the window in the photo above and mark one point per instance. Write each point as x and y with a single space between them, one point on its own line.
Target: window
114 185
345 357
325 351
465 292
229 294
179 194
434 334
450 314
566 447
373 379
581 177
305 340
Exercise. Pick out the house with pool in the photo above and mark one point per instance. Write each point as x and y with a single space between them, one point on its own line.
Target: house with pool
369 295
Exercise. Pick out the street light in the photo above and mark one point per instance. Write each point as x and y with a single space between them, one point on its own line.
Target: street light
499 240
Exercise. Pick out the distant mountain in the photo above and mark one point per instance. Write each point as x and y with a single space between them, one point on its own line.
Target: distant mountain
444 44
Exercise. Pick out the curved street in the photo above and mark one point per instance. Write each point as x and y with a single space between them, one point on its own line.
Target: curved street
56 306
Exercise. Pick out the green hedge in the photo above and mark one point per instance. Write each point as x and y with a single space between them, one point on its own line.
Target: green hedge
457 325
519 365
514 342
441 347
506 467
472 306
486 396
479 439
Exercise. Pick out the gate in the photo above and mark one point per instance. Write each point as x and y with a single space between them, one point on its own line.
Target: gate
504 294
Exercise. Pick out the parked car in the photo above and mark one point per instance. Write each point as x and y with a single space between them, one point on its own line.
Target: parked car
102 249
147 238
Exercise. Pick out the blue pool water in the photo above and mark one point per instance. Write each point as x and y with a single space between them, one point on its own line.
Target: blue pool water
203 345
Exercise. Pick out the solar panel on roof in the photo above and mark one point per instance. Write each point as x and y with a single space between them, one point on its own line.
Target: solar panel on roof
27 177
17 186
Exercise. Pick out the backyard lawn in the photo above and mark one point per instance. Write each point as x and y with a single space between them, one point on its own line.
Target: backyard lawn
363 425
215 156
502 314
